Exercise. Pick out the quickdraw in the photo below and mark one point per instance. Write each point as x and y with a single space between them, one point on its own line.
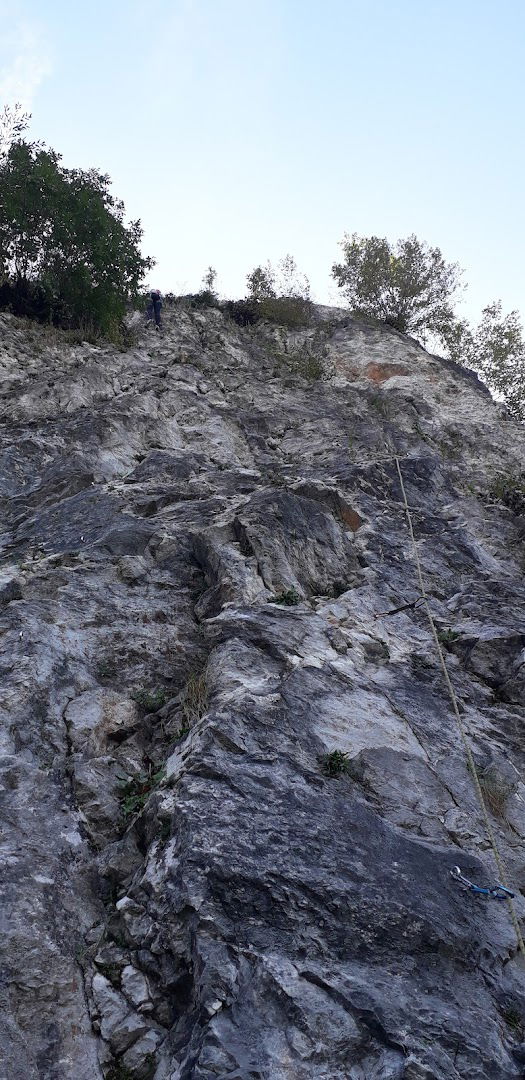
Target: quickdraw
495 892
402 607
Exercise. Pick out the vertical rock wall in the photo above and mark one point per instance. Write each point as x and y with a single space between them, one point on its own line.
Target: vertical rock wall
232 787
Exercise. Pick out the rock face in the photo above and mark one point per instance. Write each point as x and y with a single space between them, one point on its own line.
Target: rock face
232 786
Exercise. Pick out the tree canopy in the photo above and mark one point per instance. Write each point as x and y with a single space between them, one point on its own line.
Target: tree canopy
407 285
66 253
495 348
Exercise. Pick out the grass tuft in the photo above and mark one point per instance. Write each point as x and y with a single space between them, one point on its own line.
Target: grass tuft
194 701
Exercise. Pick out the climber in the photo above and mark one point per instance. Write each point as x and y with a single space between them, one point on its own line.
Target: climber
154 307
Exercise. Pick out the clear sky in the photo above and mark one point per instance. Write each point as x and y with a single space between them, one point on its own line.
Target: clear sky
239 131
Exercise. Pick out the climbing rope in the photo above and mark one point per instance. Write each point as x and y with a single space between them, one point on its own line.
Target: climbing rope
507 894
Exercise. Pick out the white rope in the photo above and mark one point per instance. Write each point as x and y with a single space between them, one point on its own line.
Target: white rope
464 737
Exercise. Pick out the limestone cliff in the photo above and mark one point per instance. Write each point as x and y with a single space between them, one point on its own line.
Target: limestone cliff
200 538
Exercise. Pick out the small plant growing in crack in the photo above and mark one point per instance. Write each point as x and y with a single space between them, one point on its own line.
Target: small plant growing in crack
421 663
111 972
509 490
149 700
514 1021
165 831
307 362
446 637
335 763
135 792
287 598
117 1071
106 668
194 701
379 401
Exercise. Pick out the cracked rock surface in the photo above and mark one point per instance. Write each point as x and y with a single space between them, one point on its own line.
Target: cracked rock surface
232 786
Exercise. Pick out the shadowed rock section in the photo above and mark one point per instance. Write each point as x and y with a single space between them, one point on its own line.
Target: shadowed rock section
232 789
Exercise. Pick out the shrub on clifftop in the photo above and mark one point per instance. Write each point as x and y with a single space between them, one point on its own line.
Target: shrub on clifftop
281 296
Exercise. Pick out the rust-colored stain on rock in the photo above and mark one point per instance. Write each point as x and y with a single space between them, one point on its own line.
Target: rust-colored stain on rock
379 373
351 518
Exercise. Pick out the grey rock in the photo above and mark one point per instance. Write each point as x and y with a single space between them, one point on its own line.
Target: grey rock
187 893
10 590
132 568
135 987
119 1026
140 1056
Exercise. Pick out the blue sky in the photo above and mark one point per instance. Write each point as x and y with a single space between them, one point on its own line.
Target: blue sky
241 131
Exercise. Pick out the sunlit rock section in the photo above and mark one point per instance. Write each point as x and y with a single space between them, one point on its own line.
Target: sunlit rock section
232 785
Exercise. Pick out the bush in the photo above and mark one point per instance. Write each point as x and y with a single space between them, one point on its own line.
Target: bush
409 285
149 700
514 1019
334 763
243 312
282 296
209 280
261 283
510 491
290 311
134 793
107 668
306 361
66 255
193 301
288 598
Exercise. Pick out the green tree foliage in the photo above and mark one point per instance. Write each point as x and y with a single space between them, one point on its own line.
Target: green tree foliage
407 285
66 253
410 286
261 283
496 350
12 123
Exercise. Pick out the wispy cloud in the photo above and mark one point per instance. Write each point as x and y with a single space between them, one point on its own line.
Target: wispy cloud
25 59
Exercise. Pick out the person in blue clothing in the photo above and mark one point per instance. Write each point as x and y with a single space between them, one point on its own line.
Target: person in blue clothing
154 308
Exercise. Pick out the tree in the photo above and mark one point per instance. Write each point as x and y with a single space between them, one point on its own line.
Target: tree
66 253
496 350
209 280
408 285
12 123
261 283
290 281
